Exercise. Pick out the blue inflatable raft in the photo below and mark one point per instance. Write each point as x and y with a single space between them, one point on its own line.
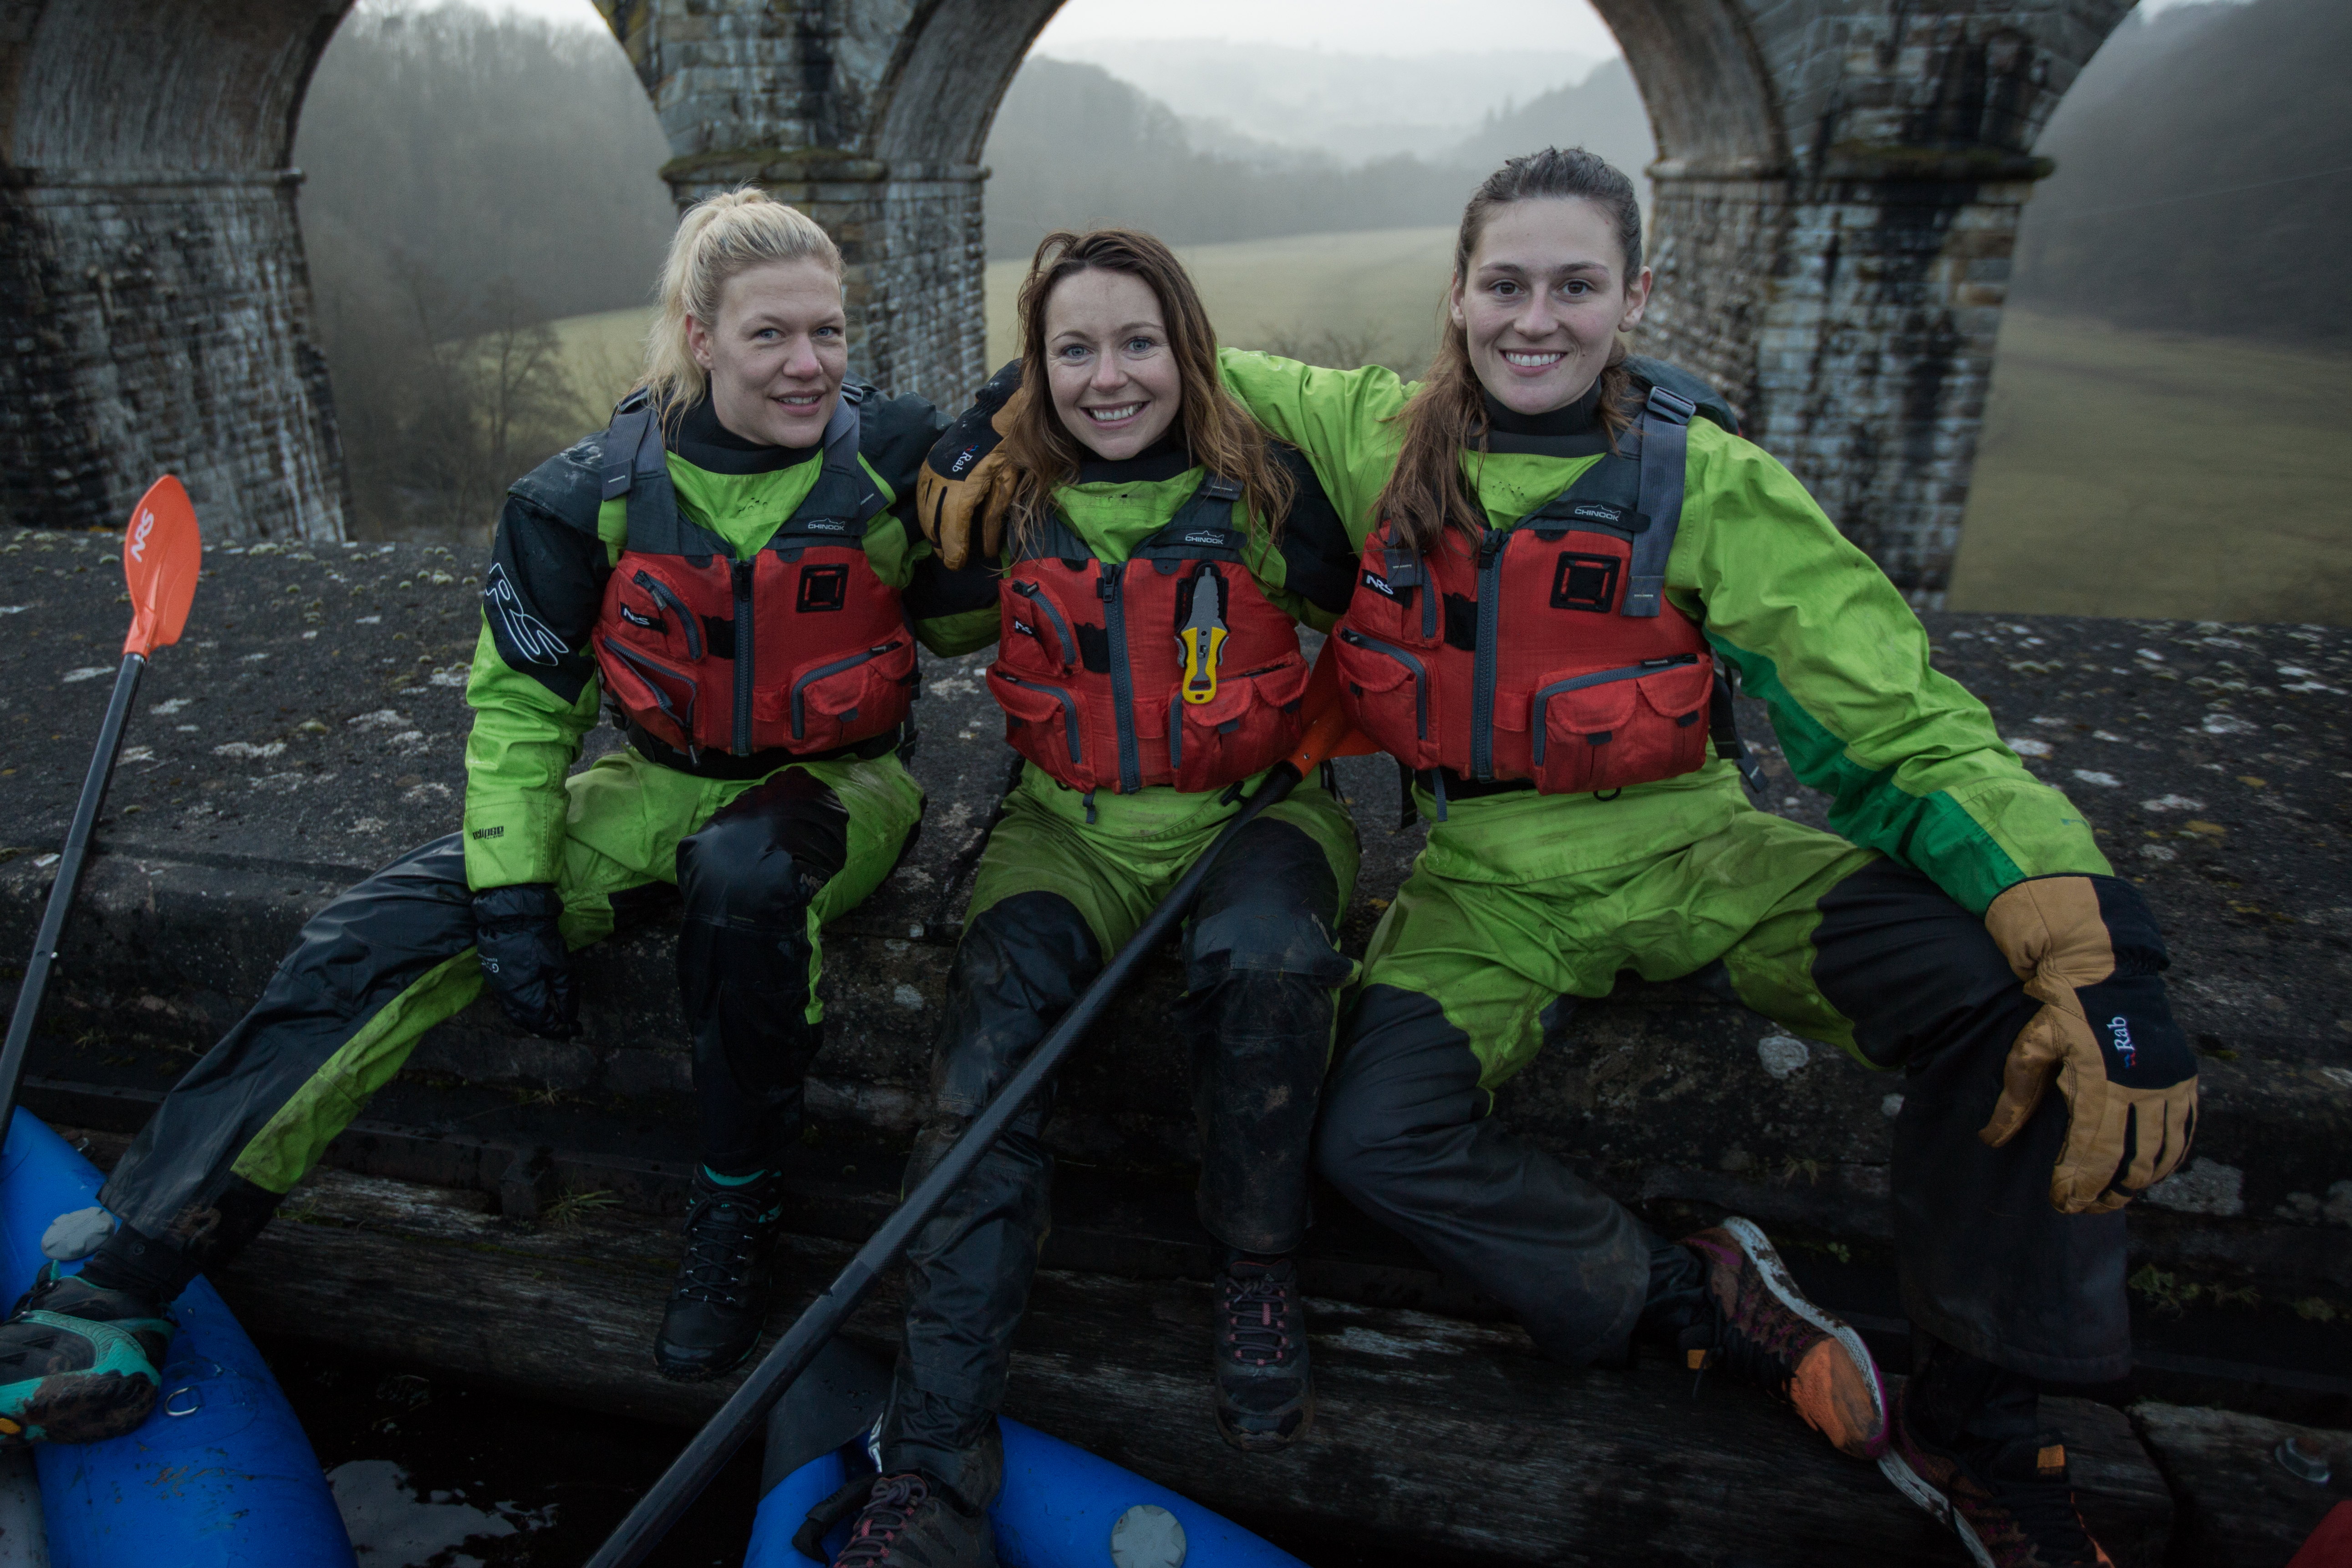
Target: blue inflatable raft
1061 1506
220 1477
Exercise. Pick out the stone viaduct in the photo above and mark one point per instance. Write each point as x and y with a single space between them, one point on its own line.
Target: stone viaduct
1839 185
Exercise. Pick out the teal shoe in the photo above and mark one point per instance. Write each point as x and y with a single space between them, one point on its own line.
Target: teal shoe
78 1364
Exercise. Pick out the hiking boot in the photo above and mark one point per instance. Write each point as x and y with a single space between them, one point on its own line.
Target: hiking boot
908 1521
1761 1326
2009 1499
719 1305
1266 1390
78 1363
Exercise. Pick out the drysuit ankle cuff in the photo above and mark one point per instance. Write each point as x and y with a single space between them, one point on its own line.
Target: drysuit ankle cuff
146 1267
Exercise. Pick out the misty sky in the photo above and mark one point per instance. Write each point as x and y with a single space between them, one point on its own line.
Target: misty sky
1354 27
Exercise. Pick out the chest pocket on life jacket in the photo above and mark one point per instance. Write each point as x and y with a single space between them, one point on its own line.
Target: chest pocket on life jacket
801 647
1546 651
1171 668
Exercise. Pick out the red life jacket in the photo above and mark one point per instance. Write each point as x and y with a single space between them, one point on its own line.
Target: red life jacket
1090 669
1546 651
800 649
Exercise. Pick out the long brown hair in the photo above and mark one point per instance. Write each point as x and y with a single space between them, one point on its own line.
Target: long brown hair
1426 491
1218 431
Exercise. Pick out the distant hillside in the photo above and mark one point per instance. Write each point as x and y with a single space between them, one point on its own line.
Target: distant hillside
1603 113
2204 178
1074 144
1355 107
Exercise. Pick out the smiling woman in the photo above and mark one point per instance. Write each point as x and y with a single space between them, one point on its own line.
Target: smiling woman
752 311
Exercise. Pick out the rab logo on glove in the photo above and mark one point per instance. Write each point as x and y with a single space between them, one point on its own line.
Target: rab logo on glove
2122 1032
963 461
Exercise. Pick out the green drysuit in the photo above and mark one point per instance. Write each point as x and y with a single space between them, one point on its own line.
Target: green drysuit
789 847
1521 899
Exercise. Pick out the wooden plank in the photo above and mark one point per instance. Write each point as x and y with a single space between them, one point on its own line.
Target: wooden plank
2239 1506
1454 1437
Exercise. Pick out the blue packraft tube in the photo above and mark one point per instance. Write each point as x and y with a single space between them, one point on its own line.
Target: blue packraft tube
221 1476
1061 1506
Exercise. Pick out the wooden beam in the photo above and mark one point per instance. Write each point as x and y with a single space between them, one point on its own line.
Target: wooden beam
1453 1438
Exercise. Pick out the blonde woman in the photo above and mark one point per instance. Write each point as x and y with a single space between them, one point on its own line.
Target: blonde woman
728 567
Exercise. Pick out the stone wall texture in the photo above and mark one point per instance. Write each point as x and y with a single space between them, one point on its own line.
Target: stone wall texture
1838 192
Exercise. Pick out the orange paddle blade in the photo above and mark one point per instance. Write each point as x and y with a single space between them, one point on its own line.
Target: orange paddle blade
161 553
1329 731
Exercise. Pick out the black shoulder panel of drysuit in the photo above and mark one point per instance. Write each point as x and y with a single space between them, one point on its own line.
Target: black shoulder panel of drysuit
1683 384
547 572
1318 560
894 436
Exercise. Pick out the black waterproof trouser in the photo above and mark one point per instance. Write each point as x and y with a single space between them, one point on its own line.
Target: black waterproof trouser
1987 1264
394 955
1257 1015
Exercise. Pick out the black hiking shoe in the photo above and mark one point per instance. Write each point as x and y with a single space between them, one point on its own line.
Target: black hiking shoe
78 1363
2010 1501
907 1521
1265 1391
716 1312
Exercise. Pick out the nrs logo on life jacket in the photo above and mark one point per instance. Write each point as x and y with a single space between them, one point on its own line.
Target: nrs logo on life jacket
1169 668
1547 651
800 649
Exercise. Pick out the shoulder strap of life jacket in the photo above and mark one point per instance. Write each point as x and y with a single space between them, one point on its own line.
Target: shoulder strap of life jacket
1205 525
1636 493
845 499
635 464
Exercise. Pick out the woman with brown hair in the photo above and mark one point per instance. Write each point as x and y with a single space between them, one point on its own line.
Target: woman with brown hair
1157 554
1565 554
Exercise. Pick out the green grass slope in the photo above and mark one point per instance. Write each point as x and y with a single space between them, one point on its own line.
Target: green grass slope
2127 473
1376 289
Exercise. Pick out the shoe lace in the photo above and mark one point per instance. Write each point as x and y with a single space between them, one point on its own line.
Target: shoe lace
722 1237
1765 1359
1256 1309
886 1515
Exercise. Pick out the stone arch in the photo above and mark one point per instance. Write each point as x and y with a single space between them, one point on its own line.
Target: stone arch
150 251
1836 200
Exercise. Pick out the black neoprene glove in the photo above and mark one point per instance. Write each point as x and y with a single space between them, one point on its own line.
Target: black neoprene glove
525 963
956 493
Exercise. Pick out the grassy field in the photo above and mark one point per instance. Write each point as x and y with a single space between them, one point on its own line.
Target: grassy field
2119 474
1377 292
2138 474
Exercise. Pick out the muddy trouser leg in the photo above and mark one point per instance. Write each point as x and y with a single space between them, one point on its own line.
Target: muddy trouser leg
1409 1138
1261 976
747 961
1987 1265
372 971
1021 962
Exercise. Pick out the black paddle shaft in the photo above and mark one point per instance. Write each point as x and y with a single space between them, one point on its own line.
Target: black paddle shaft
61 892
712 1446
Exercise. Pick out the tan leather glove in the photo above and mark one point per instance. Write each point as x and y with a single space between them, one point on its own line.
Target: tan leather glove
961 493
2089 951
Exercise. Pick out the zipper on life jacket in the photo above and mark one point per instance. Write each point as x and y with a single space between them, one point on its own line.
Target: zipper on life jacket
800 701
1070 718
1492 545
1108 579
1044 602
660 593
1355 638
741 571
